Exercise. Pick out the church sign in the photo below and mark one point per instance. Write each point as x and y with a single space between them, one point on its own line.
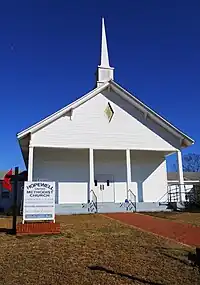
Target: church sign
39 201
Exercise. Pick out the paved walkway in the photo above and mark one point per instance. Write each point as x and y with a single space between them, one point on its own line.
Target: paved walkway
184 233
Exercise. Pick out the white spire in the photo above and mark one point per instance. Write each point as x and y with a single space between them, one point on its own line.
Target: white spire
104 47
104 72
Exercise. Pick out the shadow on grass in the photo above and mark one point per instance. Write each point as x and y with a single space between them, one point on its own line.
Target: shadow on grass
177 259
191 258
152 248
49 236
133 278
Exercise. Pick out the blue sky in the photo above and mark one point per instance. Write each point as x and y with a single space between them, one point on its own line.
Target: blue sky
49 51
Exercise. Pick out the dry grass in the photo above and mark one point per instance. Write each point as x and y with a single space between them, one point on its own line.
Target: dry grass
93 249
183 217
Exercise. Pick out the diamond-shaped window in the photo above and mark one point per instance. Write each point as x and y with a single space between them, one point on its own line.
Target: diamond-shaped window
109 112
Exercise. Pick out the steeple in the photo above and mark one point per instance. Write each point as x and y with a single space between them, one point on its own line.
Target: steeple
104 47
104 71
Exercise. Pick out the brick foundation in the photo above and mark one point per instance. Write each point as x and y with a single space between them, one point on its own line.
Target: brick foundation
38 228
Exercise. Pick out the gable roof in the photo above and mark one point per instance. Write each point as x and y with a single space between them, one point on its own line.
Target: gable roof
62 111
123 93
153 115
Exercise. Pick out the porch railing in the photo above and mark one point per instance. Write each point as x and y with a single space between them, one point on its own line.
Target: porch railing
180 193
132 199
93 201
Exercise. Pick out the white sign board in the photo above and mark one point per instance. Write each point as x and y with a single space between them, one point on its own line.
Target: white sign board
39 201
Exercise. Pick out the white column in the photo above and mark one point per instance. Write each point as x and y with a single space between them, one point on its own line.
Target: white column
30 163
180 174
128 170
91 170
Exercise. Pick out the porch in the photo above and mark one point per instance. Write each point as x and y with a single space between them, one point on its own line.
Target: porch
109 178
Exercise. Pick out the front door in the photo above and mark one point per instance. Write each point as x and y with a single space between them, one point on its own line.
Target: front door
104 188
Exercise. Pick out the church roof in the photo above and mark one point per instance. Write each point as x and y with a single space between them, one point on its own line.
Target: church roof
127 96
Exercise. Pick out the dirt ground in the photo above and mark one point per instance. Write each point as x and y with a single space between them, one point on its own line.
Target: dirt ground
93 249
183 217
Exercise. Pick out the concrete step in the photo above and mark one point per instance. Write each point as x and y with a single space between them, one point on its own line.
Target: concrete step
109 207
68 209
151 207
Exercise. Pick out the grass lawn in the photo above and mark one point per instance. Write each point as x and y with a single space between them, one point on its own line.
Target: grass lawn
183 217
93 249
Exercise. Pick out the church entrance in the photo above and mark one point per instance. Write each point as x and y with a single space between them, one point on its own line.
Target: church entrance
104 188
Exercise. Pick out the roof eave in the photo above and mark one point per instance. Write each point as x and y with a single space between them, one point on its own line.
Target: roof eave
61 112
187 140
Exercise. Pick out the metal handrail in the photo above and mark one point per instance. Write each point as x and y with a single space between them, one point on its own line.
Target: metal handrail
94 199
132 201
166 194
173 195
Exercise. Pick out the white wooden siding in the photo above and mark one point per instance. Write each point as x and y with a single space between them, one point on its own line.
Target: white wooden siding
89 128
70 170
149 176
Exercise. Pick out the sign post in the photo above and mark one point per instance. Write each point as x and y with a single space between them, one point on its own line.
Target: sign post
39 201
15 186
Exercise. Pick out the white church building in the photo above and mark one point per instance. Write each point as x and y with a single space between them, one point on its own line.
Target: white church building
106 151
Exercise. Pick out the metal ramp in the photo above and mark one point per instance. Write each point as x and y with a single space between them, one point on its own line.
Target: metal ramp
179 196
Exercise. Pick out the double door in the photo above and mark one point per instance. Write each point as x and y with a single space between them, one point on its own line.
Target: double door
104 188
